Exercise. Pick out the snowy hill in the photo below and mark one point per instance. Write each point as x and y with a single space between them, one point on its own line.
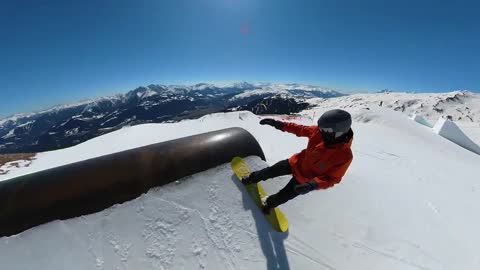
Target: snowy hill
68 125
404 204
462 107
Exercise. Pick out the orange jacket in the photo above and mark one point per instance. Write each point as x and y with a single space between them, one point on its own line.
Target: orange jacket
324 165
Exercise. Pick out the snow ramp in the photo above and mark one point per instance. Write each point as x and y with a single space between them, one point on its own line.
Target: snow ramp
421 120
452 132
92 185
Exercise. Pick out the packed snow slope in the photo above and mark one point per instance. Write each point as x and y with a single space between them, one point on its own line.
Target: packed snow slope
409 201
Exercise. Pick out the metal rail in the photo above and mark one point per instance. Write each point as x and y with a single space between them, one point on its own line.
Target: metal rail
92 185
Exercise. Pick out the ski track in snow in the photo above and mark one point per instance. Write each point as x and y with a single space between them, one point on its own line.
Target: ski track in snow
388 253
384 254
297 246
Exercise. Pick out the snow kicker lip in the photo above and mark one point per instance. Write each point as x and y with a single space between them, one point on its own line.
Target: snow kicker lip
92 185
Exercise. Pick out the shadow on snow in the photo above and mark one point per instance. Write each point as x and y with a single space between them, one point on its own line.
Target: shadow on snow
271 241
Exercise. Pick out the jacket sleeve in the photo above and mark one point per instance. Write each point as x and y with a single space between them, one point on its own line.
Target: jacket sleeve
334 176
299 130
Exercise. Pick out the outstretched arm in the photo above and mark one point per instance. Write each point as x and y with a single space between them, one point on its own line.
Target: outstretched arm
272 122
299 130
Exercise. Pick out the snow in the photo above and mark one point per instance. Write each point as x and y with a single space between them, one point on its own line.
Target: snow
304 87
257 92
421 120
146 94
472 130
266 88
159 230
14 165
452 132
14 118
72 132
10 134
462 106
26 124
405 203
110 119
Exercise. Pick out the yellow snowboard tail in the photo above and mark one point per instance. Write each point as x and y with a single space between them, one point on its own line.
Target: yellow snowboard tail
276 218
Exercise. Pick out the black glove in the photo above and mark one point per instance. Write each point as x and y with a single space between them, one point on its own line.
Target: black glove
272 122
305 188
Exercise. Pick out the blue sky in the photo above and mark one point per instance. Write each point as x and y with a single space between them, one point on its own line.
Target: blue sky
60 51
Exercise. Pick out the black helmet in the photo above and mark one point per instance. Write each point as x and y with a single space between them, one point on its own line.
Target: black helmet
334 123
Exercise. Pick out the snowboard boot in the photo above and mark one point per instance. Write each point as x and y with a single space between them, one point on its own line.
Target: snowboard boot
250 179
266 209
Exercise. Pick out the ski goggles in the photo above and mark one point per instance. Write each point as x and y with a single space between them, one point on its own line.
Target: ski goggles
330 132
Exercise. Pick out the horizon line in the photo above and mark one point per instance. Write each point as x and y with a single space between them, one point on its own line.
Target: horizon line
193 83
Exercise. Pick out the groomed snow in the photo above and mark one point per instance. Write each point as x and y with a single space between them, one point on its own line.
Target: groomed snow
409 201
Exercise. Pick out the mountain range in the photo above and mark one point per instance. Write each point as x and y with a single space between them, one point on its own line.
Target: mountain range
70 124
67 125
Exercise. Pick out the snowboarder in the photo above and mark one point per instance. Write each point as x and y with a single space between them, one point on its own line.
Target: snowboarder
320 166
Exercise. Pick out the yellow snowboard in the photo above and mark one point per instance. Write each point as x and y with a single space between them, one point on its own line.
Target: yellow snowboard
276 217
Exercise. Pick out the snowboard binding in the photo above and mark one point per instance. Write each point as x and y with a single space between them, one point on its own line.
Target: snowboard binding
266 209
250 179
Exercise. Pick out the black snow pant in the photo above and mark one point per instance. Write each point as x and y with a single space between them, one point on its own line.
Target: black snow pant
285 194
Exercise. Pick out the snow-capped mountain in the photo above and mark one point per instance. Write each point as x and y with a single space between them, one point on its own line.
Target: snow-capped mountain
278 104
70 124
462 107
457 105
